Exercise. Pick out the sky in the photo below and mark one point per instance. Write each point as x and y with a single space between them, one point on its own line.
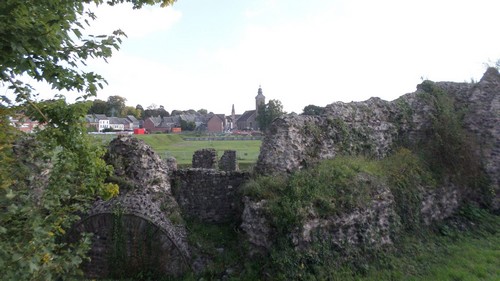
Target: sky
201 54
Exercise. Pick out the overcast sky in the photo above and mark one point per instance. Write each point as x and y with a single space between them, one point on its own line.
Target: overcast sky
213 54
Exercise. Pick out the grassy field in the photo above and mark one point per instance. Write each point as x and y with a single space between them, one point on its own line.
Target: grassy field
166 145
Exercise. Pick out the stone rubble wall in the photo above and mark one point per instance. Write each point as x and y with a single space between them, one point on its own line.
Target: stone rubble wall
371 226
369 128
374 128
440 203
483 121
256 226
228 161
145 206
209 195
205 158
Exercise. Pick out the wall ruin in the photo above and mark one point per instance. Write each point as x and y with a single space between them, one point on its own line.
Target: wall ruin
207 194
374 128
142 227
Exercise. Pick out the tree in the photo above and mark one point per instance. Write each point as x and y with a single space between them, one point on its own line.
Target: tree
203 111
187 125
176 112
130 110
313 110
50 177
268 112
116 106
154 111
162 112
98 107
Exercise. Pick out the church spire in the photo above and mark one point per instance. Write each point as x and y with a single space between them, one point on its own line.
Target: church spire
233 118
260 99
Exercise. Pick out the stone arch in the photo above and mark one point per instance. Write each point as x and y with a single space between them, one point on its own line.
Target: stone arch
126 244
140 230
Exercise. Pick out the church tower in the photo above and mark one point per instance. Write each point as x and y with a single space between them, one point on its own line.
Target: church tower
259 100
233 118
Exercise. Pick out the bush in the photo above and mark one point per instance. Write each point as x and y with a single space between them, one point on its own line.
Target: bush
449 150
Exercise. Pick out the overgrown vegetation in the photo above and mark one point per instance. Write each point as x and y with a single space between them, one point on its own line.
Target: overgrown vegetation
327 189
219 251
464 247
333 188
408 176
449 150
444 156
52 177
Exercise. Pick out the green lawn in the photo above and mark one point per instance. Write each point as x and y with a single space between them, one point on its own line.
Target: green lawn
247 151
444 255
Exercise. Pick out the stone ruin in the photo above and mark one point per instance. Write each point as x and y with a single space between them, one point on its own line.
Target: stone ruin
140 228
228 161
143 227
207 194
205 158
374 128
155 197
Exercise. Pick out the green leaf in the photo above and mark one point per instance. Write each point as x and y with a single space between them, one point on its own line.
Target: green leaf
10 194
16 257
32 266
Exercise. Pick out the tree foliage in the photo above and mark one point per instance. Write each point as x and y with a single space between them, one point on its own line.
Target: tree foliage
98 107
154 111
116 106
268 112
313 110
51 176
187 125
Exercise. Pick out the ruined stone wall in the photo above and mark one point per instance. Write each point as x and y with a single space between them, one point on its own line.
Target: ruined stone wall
482 120
368 128
370 226
375 127
205 158
209 195
228 161
141 229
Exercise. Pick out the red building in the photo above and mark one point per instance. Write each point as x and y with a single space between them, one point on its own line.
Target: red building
216 123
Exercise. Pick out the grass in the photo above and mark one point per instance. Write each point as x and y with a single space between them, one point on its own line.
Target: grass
172 145
443 253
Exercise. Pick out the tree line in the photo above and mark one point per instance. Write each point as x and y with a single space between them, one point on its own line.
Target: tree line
115 106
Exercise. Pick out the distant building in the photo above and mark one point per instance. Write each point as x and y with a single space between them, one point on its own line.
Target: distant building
135 124
156 124
216 123
248 120
24 124
102 122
